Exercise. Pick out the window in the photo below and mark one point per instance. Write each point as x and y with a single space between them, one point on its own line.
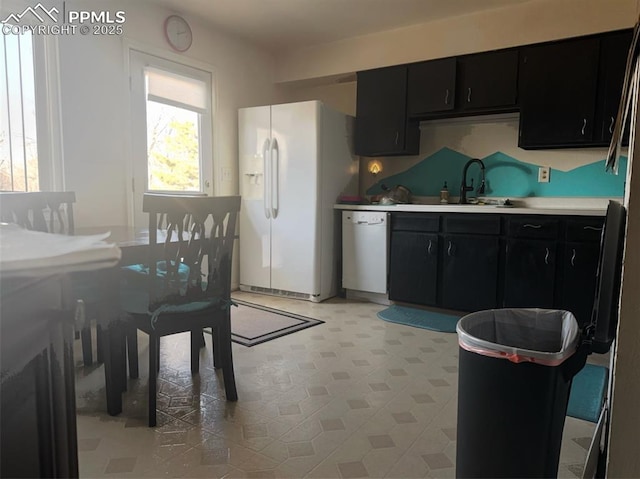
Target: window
174 107
171 128
18 130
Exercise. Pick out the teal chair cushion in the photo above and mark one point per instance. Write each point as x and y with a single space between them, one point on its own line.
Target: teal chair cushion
587 393
134 293
134 287
136 274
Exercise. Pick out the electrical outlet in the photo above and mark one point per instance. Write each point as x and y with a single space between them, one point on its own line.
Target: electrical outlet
544 172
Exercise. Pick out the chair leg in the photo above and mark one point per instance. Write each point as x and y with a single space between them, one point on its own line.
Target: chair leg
215 341
121 352
153 376
157 354
132 350
196 337
99 347
227 359
87 353
113 383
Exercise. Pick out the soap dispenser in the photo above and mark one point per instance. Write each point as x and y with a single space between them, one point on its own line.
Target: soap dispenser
444 194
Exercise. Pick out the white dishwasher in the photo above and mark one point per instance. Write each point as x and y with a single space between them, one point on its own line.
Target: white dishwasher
364 251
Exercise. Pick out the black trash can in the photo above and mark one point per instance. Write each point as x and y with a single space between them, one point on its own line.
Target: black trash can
515 372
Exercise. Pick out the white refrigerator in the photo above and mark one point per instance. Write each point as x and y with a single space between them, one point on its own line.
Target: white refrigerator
295 160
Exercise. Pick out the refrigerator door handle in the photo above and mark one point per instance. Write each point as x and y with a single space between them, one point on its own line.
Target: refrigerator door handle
274 157
266 196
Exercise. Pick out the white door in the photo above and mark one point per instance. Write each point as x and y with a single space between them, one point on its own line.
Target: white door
294 228
171 129
254 130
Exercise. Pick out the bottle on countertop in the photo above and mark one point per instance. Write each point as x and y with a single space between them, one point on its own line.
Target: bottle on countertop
444 194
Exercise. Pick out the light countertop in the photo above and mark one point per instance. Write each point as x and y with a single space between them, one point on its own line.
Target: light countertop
573 210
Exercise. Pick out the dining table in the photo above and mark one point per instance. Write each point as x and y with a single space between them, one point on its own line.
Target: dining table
116 341
38 437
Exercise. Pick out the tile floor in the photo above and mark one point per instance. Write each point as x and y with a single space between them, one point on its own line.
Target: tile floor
354 397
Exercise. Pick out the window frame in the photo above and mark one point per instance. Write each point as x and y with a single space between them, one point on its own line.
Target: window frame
46 72
208 154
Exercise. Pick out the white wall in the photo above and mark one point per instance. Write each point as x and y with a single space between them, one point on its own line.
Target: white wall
524 23
301 71
95 106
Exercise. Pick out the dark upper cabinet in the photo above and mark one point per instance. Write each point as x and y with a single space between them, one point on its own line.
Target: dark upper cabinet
613 59
432 87
382 126
413 267
558 86
488 81
479 83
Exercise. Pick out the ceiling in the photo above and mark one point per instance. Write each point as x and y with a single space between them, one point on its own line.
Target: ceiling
279 25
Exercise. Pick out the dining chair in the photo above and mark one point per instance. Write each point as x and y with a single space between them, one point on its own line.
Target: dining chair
52 212
186 284
47 211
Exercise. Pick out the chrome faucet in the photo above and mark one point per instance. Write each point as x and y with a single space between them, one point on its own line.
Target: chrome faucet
464 188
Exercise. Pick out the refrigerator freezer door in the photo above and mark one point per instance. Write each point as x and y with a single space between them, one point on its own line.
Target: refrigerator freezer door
295 230
254 127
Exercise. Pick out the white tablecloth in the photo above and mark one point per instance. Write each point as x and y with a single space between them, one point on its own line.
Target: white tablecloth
34 287
28 253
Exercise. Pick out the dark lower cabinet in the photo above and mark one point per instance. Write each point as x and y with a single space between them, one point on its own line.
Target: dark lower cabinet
413 267
530 272
579 269
469 272
471 262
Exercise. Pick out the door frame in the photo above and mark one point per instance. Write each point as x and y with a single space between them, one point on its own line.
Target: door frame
127 47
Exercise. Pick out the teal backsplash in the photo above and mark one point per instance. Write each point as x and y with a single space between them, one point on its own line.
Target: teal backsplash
505 177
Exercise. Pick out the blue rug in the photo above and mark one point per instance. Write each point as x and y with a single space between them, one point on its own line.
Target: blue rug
587 392
420 318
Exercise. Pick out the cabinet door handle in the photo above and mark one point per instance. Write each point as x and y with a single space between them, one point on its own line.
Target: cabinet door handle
546 256
446 97
593 228
449 249
529 225
573 257
429 247
611 125
469 95
397 136
584 125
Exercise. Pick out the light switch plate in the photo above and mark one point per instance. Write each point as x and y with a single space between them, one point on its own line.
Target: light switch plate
226 173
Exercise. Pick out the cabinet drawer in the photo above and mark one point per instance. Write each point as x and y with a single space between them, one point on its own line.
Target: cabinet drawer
415 222
472 224
533 227
587 229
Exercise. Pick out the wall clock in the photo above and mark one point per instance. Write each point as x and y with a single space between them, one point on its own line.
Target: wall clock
178 33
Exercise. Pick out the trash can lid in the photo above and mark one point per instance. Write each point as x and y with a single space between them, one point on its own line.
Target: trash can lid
604 317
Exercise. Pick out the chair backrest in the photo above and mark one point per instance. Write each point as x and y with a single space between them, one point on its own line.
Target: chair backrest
47 211
193 231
